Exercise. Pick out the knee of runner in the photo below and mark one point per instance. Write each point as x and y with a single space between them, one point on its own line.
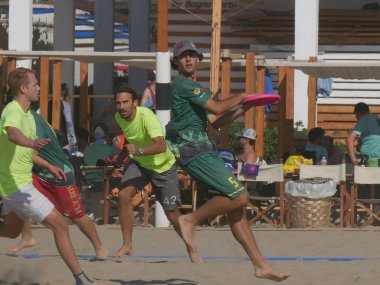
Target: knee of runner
125 195
172 216
242 200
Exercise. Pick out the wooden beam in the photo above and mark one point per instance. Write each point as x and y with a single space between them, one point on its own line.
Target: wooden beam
259 114
162 26
44 87
215 54
289 105
225 93
290 94
312 94
84 104
215 45
11 64
250 86
56 99
282 144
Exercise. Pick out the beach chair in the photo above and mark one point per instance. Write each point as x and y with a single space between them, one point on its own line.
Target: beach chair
364 211
338 174
269 209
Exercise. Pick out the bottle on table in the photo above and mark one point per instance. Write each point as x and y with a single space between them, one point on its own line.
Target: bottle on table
363 160
323 160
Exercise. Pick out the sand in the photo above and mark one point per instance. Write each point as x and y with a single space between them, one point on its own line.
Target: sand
311 256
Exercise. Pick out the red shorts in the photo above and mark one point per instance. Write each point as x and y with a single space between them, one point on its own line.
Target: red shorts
65 199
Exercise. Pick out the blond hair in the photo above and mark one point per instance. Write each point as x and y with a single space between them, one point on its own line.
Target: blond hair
18 77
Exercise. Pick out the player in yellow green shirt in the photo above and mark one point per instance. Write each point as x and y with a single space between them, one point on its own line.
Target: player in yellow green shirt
152 162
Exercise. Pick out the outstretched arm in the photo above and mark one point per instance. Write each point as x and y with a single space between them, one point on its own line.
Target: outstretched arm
17 137
351 149
56 171
158 146
218 121
218 107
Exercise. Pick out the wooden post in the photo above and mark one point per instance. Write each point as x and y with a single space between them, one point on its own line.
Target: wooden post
84 104
225 93
44 87
259 113
250 85
215 53
162 26
11 64
312 94
56 99
282 144
289 106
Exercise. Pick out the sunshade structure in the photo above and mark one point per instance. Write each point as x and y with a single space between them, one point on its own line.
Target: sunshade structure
254 65
345 70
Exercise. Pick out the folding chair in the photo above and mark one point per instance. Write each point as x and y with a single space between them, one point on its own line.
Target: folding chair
364 176
338 174
270 209
188 184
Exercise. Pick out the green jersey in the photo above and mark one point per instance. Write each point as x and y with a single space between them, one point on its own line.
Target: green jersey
188 124
52 152
368 128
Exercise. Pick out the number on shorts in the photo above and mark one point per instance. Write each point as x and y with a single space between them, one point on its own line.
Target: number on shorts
233 181
170 201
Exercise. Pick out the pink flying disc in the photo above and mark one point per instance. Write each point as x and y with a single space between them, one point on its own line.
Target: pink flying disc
262 99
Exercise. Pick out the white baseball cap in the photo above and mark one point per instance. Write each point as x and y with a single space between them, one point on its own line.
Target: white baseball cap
248 133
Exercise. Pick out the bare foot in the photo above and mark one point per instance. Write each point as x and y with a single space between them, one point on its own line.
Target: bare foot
271 274
22 244
194 255
124 250
101 253
187 229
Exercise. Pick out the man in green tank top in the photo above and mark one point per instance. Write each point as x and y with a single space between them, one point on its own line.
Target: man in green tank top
192 108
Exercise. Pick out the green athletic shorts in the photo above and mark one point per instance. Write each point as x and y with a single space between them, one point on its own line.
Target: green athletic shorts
209 171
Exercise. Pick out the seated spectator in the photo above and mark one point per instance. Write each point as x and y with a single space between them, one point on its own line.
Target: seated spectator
247 140
315 137
100 148
107 116
335 155
298 147
83 136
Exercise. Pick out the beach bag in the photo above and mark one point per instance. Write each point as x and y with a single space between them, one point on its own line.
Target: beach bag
294 161
250 169
229 159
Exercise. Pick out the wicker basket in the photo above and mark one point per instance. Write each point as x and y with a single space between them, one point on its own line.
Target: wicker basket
307 212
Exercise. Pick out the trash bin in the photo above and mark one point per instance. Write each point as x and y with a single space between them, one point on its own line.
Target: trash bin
310 201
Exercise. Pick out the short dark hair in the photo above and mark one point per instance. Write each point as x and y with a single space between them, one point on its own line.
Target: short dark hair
124 87
64 90
315 133
82 133
361 107
18 77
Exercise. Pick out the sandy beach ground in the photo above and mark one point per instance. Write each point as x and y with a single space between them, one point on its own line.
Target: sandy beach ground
311 256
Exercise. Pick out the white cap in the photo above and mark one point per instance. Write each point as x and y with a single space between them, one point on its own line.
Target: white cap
248 133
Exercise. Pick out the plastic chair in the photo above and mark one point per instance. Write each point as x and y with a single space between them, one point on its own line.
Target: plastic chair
365 176
270 209
338 174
